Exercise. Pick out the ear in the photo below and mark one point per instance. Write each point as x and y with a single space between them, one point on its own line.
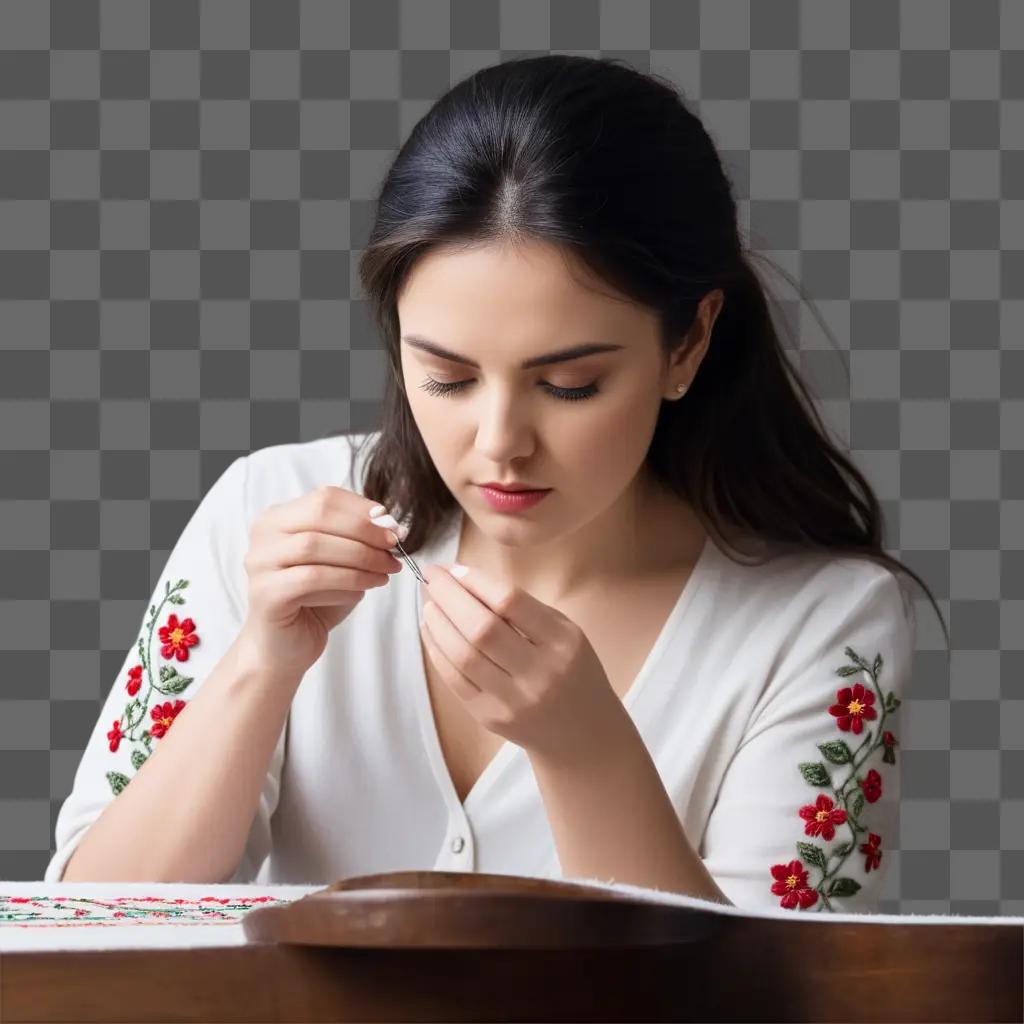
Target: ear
686 359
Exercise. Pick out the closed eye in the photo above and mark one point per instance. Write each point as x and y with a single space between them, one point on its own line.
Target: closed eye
437 387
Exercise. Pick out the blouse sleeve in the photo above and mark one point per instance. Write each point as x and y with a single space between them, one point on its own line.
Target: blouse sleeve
194 615
807 810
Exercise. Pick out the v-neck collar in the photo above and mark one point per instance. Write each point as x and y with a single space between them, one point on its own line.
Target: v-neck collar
442 552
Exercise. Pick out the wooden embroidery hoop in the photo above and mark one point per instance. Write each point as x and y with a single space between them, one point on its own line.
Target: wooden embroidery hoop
457 910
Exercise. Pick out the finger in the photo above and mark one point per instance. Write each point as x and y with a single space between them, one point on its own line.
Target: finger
479 626
318 548
464 658
450 675
526 617
328 509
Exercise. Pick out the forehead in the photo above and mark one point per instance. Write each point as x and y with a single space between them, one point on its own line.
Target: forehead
524 283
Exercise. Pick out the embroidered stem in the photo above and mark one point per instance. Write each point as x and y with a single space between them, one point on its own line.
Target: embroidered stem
855 826
155 611
853 759
174 682
852 703
843 796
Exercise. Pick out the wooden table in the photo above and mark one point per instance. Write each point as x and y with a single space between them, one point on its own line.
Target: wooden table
425 946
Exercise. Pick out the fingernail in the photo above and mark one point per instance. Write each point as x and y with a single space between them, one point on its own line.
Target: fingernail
386 520
403 532
377 510
458 570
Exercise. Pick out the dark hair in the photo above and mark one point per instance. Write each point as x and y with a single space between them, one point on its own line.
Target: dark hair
610 165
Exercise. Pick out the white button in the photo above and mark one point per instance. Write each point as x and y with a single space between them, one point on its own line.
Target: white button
457 844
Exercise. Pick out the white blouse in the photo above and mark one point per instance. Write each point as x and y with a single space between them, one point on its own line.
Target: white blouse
768 703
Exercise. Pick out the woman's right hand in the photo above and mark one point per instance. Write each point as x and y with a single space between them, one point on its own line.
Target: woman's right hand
310 561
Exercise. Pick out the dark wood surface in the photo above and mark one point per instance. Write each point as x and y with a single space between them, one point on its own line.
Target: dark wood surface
428 946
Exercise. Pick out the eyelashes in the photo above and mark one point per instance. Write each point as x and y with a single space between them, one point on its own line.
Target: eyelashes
437 387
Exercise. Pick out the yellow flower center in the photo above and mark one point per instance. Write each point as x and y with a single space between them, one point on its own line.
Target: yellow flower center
176 636
791 881
854 707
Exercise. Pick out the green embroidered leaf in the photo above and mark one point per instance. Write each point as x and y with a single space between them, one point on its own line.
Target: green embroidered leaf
877 666
152 609
892 702
836 751
176 599
856 658
843 887
842 849
138 758
815 773
147 738
133 706
812 854
889 755
847 670
858 805
171 682
117 781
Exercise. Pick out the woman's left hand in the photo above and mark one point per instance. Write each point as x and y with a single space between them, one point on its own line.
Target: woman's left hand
523 669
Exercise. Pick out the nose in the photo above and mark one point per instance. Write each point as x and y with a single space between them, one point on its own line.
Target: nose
505 432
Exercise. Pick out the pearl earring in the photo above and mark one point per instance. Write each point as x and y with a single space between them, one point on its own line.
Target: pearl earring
680 387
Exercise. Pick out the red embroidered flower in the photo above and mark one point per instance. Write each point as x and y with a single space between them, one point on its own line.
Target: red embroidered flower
163 715
888 739
872 786
873 855
134 680
177 637
115 735
853 707
791 884
822 817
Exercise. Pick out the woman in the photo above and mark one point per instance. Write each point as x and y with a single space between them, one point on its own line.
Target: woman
675 665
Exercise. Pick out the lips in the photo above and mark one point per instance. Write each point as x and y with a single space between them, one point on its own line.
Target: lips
513 501
512 488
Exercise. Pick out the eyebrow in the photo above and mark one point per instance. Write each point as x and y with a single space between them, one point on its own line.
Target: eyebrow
561 356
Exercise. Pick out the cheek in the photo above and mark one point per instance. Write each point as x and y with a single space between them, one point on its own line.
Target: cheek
602 460
608 440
